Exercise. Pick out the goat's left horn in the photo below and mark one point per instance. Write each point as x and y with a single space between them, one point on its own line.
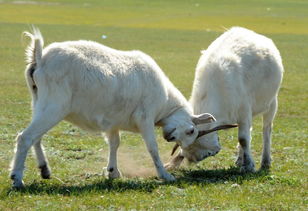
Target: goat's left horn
220 127
175 148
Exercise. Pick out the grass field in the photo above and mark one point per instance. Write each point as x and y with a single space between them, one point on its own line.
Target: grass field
173 33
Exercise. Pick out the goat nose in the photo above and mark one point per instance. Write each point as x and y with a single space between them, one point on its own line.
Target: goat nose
169 139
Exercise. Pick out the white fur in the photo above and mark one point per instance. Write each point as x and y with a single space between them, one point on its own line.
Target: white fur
100 89
237 78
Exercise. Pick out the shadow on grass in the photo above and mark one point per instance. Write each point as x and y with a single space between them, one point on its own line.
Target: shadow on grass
184 178
232 174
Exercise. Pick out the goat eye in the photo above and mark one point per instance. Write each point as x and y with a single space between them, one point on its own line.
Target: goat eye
191 131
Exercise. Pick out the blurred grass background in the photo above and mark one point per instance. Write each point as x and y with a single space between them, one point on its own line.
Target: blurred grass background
173 33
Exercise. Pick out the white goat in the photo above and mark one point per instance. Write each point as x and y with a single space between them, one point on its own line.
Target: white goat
101 89
237 78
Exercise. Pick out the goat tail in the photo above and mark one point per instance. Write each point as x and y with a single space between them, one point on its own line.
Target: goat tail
35 48
33 58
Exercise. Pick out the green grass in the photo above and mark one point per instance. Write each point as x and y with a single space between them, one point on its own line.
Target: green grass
173 33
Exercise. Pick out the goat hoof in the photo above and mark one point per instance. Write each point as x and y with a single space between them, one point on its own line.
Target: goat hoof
18 185
168 177
266 163
239 162
45 172
17 182
111 173
250 168
265 166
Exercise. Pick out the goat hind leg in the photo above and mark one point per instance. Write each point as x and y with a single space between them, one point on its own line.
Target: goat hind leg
42 161
41 123
268 118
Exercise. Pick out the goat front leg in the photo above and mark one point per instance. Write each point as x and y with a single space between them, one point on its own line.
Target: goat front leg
244 138
148 134
111 171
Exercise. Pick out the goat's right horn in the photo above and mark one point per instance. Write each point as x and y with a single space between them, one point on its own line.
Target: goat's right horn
220 127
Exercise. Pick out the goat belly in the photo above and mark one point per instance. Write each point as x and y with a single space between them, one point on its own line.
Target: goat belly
93 124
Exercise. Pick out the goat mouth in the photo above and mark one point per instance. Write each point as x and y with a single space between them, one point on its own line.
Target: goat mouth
199 160
209 154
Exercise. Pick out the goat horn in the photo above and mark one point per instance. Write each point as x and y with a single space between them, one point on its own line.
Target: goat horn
175 148
220 127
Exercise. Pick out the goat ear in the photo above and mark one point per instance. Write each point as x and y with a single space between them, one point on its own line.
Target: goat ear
220 127
203 118
203 52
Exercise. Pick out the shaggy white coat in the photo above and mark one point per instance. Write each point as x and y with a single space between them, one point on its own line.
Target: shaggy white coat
237 78
101 89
